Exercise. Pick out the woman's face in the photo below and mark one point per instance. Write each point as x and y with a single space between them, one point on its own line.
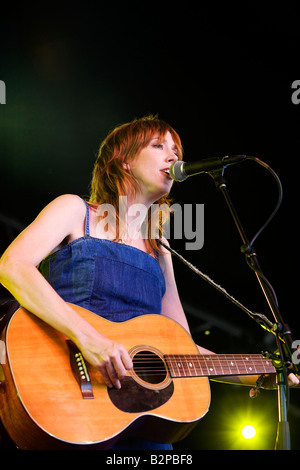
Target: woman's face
149 167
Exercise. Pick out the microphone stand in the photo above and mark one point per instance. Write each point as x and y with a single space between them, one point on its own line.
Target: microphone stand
280 329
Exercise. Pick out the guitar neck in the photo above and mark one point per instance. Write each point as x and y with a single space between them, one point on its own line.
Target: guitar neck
198 365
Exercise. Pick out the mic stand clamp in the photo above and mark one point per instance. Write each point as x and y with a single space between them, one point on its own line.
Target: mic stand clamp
283 334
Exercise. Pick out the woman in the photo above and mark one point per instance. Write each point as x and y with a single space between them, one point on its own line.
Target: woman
125 273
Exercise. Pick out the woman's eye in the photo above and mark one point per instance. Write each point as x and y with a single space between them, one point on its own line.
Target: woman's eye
158 146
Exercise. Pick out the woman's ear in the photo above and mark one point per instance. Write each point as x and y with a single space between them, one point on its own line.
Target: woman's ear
126 166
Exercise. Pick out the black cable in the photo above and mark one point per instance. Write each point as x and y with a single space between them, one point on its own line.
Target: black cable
280 196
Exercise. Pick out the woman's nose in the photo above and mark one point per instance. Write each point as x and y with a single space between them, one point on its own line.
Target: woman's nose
172 156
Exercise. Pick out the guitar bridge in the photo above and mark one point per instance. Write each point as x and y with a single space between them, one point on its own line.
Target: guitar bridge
80 371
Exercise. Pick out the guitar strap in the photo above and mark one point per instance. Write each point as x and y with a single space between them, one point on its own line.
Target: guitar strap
261 319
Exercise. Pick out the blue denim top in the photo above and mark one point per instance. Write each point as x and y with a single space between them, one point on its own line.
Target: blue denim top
111 279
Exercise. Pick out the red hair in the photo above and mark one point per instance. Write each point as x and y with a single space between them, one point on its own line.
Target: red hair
111 178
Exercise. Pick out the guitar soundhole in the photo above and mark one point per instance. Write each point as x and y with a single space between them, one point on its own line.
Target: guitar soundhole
149 384
149 367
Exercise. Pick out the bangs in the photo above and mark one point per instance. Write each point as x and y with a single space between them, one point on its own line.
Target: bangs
142 131
136 135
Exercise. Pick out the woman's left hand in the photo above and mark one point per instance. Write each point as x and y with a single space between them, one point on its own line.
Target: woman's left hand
294 380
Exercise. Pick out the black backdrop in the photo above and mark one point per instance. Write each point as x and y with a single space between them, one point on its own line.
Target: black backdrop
222 77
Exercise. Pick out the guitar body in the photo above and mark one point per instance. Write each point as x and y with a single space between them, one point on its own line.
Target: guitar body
42 407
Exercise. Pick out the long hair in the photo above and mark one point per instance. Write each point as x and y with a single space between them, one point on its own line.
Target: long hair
112 178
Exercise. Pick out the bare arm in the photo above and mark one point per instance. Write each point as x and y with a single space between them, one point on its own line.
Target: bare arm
18 273
171 304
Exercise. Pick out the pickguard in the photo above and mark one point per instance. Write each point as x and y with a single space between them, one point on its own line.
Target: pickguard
134 398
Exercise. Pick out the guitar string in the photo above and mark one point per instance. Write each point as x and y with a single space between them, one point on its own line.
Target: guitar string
200 358
157 366
223 363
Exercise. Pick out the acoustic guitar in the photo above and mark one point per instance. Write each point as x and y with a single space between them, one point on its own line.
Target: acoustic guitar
51 398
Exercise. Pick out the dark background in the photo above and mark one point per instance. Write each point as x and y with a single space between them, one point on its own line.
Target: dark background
222 76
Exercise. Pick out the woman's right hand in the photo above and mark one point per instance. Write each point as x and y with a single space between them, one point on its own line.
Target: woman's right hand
109 357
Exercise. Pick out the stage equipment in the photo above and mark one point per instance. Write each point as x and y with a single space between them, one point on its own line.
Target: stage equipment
179 171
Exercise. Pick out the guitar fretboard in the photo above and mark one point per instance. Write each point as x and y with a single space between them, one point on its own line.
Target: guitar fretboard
197 365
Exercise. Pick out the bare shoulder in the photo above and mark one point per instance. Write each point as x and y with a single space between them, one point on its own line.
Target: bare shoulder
67 212
164 246
58 221
66 208
70 202
165 258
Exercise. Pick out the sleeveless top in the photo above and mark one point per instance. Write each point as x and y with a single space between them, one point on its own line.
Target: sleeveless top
113 280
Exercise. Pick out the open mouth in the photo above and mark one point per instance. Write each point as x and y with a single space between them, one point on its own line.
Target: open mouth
166 172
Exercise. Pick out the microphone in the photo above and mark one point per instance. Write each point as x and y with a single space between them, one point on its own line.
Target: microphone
180 171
